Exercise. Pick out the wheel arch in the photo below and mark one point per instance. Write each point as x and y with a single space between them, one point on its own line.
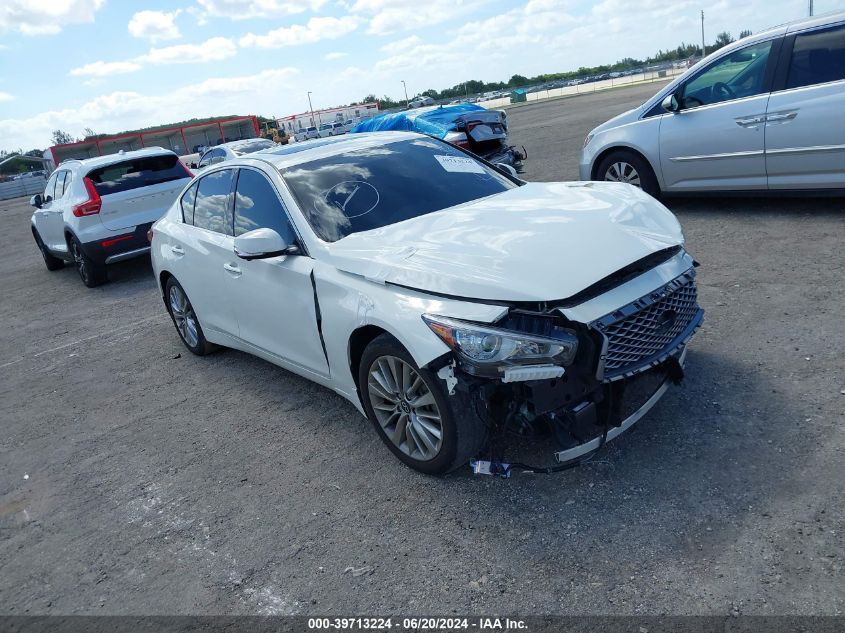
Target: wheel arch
358 341
621 148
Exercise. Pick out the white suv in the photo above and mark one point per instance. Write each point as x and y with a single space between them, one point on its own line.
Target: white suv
97 211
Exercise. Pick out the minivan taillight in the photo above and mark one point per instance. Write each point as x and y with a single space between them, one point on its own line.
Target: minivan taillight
90 206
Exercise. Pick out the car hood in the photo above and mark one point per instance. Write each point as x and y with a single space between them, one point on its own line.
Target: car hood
538 242
629 116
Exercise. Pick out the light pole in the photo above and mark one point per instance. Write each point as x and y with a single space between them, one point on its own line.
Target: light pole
811 8
311 108
406 92
703 47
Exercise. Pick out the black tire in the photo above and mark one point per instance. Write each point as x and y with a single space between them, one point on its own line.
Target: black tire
462 432
91 273
52 262
647 179
201 346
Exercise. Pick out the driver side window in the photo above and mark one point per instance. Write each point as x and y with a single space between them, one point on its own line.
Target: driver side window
737 75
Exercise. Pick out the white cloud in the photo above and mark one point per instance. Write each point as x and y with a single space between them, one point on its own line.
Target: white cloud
40 17
154 25
212 50
117 111
104 69
5 96
324 28
333 56
248 9
391 16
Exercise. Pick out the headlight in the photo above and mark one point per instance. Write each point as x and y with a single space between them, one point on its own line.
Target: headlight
588 139
494 349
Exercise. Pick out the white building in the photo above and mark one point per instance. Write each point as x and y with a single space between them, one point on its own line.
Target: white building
298 122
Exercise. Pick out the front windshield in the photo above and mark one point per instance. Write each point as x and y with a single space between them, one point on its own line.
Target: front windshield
367 188
252 147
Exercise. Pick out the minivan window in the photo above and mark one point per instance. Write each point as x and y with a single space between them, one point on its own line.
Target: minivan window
212 207
817 58
137 172
187 204
739 74
371 187
257 206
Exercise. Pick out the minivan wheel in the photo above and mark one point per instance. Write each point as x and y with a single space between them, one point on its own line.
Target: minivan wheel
185 319
630 168
91 274
51 261
421 424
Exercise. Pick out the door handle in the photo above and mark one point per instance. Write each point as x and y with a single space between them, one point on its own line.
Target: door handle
781 116
232 269
177 250
750 121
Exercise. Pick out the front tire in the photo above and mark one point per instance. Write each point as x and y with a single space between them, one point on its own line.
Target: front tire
426 428
630 168
185 319
92 274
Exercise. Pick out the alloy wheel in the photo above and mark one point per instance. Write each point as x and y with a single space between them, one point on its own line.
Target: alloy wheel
184 316
79 260
623 172
405 408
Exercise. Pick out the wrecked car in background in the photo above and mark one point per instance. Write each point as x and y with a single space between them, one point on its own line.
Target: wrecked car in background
453 305
478 130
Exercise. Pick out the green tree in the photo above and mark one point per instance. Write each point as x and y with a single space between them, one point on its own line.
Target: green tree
744 33
60 137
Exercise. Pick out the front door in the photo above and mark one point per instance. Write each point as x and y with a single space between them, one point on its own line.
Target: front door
274 298
805 134
717 139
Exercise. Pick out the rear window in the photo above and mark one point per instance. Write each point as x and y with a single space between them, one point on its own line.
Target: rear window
371 187
137 172
252 146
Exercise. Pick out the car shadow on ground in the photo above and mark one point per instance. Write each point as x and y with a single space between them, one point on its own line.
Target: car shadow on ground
755 205
131 271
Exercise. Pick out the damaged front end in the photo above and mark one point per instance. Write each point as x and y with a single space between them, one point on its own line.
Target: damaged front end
536 375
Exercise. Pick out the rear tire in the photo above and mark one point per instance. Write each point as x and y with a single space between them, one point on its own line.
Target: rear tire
92 274
185 319
631 168
409 406
51 261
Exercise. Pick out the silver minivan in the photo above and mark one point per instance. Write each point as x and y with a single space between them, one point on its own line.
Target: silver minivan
764 113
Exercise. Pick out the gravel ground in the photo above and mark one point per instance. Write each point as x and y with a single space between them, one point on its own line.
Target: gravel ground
138 479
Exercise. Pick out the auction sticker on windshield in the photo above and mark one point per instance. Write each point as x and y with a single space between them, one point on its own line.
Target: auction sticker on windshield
459 164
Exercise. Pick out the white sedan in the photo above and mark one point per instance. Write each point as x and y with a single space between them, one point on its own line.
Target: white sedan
449 302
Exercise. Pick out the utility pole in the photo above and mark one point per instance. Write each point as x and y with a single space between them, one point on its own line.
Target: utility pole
811 8
311 108
703 46
406 92
466 91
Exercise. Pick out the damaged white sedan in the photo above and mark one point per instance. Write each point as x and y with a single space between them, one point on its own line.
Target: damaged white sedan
452 304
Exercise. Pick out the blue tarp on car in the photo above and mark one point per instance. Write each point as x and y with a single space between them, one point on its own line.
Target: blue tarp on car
435 121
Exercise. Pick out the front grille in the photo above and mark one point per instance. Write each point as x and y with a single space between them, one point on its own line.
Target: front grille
638 333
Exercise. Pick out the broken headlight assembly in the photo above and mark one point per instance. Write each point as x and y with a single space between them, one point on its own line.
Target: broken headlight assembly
493 352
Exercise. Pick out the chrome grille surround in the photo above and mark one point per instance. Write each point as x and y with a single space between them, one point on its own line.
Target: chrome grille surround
647 331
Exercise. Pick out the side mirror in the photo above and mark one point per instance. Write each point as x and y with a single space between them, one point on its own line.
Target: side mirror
262 243
36 201
508 169
671 103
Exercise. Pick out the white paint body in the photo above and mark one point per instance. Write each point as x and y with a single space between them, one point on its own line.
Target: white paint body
538 242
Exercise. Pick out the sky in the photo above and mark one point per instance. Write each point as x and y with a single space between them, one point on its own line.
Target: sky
112 65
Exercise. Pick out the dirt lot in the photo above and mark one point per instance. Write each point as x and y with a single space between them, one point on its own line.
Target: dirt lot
136 478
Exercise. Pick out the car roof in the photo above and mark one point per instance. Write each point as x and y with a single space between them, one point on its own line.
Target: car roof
243 141
293 154
109 159
817 20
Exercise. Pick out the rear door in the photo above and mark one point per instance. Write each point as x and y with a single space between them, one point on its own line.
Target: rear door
805 122
205 246
274 298
138 190
716 141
